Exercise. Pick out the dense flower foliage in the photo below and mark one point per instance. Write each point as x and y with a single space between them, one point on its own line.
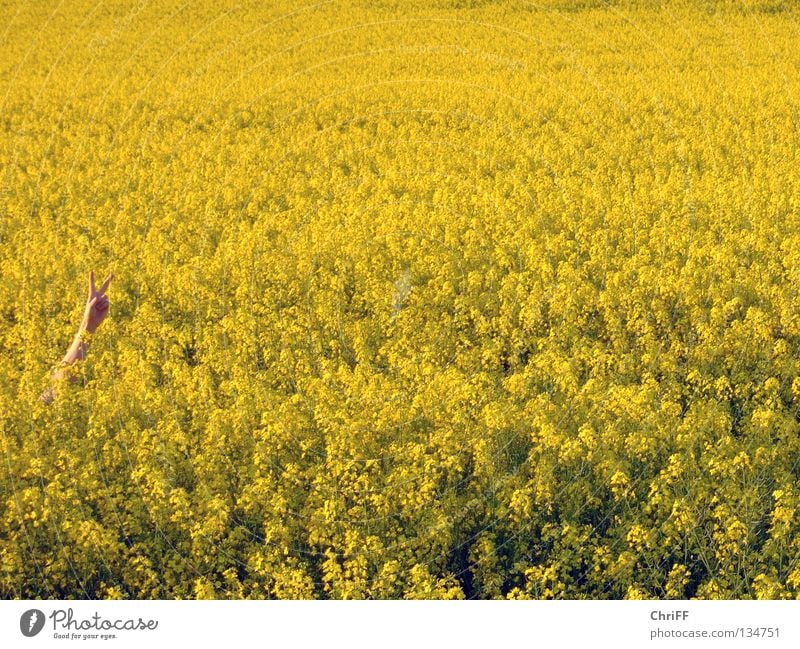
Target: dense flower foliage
441 299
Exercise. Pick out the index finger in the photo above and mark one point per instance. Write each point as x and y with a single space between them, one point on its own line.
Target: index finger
91 282
104 287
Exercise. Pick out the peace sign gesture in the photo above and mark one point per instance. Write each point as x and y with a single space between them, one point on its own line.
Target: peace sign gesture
96 304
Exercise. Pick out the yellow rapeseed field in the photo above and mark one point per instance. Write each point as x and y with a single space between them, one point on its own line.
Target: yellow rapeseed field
411 299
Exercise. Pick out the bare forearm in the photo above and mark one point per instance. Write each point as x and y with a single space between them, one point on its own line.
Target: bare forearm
77 351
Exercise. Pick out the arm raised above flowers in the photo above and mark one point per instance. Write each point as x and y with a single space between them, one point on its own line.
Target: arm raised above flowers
97 305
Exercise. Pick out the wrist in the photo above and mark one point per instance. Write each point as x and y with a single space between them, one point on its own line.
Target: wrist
86 326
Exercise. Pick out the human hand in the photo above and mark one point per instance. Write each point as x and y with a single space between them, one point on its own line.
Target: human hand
96 304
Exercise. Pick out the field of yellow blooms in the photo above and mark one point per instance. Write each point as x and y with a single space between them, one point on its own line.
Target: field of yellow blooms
411 299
